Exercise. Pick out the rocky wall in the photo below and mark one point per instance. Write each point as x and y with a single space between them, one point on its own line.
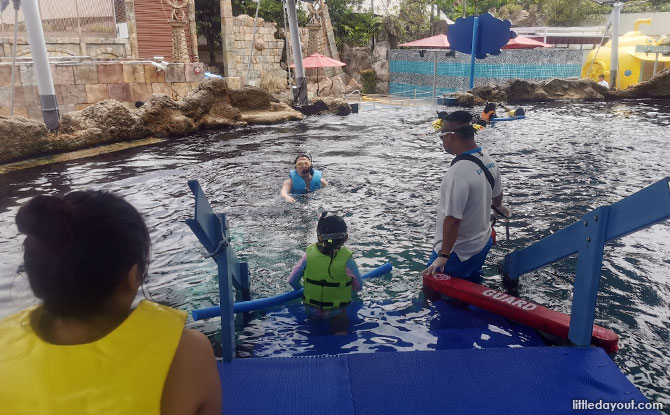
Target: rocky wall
80 85
211 105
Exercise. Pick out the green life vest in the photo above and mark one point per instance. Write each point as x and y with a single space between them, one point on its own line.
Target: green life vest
323 289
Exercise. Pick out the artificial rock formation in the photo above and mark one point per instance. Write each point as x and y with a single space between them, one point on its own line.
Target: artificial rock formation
519 90
211 105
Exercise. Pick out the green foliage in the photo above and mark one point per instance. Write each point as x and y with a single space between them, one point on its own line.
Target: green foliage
349 27
571 12
369 79
359 30
269 10
411 21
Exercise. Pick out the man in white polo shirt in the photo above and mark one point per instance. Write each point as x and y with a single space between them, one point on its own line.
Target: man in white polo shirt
469 189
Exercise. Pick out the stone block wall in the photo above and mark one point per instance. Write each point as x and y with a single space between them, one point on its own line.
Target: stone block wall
96 48
83 84
267 51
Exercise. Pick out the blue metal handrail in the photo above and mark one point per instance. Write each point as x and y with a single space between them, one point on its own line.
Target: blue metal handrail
212 231
587 238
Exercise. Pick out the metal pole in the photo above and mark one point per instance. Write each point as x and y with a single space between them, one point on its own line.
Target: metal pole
16 30
38 50
434 76
655 64
288 59
300 81
475 31
253 39
76 8
614 62
465 2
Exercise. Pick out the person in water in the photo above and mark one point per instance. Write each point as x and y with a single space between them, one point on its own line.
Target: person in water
470 187
328 273
303 179
84 350
511 112
489 112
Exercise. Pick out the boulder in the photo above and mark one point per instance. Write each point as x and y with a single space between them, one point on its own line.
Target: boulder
466 99
316 107
107 121
337 106
519 90
198 102
327 105
656 87
338 87
352 86
563 89
21 138
382 69
489 92
274 82
277 112
162 116
250 98
380 51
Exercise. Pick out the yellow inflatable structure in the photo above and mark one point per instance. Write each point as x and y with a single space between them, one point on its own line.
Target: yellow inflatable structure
633 67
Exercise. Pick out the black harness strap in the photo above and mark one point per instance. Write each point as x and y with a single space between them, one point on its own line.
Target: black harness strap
322 304
324 283
478 162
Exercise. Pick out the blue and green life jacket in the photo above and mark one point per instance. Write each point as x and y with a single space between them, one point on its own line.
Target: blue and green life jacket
326 282
298 183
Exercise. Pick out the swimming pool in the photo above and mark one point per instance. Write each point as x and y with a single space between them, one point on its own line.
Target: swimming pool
385 167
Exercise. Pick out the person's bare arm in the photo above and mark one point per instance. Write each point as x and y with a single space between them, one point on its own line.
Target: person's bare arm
497 203
285 189
324 183
450 228
192 386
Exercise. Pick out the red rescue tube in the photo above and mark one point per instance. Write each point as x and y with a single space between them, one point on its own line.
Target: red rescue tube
516 309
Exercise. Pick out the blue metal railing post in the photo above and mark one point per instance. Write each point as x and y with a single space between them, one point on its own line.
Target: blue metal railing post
587 279
212 231
475 38
587 238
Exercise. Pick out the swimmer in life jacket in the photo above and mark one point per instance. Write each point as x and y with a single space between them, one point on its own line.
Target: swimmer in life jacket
328 273
304 179
489 112
519 112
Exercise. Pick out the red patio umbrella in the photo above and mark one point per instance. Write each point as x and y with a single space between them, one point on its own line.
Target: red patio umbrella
317 60
522 42
437 41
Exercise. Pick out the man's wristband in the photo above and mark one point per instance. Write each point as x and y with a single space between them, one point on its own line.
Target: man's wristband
443 255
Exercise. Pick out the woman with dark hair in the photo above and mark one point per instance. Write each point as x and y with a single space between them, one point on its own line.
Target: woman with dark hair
84 350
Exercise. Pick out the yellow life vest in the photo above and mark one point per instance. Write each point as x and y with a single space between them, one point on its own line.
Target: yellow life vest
121 374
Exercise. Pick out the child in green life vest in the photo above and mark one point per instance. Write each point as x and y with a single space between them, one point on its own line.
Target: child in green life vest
328 273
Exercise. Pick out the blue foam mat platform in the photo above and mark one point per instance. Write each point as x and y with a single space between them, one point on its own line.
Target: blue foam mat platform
542 380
